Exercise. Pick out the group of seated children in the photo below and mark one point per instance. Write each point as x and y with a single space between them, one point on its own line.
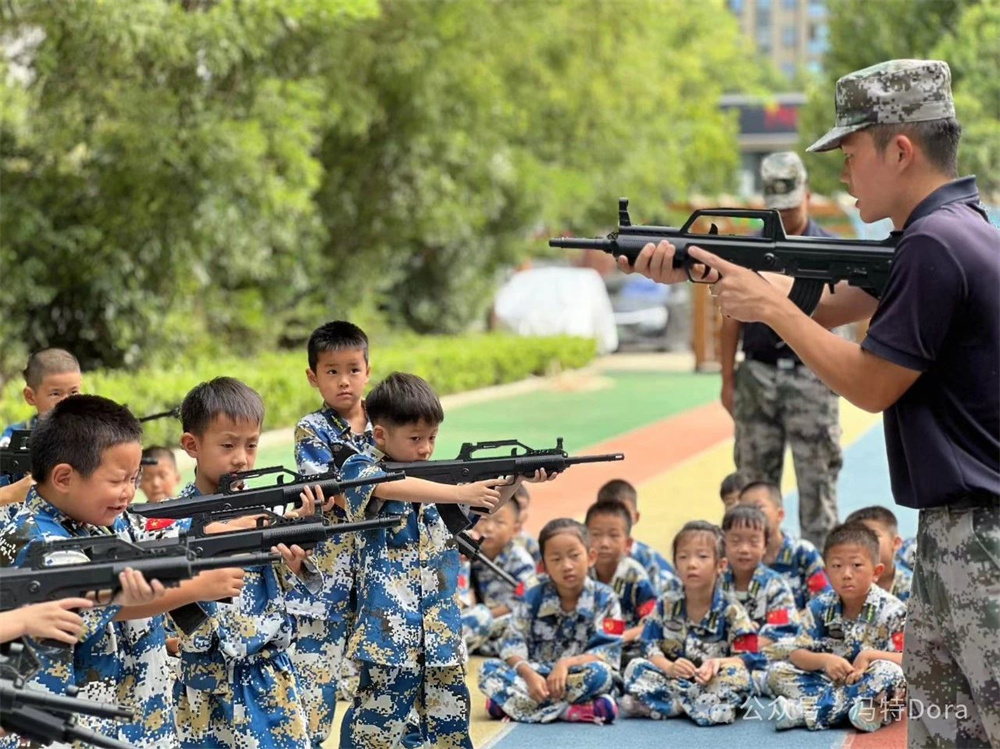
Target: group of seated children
596 622
744 612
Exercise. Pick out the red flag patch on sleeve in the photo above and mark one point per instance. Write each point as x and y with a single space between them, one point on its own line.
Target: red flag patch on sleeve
614 626
647 608
897 641
745 644
778 617
817 581
463 581
158 524
519 590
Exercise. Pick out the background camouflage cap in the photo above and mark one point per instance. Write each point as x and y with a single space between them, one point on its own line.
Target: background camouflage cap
891 92
784 178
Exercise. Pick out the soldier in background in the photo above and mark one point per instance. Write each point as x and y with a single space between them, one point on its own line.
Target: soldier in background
774 399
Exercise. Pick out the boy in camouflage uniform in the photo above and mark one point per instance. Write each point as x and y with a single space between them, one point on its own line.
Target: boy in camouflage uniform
51 375
661 573
796 560
237 687
609 525
895 578
408 641
699 643
846 663
339 369
501 548
760 590
85 458
558 662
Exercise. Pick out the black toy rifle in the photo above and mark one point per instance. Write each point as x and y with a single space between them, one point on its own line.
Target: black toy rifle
814 262
232 502
45 579
466 469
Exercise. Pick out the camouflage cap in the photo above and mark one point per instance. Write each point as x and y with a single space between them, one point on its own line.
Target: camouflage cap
784 178
891 92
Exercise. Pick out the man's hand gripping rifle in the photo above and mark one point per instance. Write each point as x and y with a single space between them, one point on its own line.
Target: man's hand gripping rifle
814 262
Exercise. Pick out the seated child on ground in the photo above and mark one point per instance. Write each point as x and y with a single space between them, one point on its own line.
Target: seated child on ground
660 571
523 498
498 545
609 525
760 590
796 560
881 521
159 482
847 661
562 647
698 642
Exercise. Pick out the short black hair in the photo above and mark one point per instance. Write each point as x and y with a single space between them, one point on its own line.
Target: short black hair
875 513
403 399
730 484
338 335
773 491
610 507
78 431
853 533
618 490
746 516
938 139
46 362
514 506
697 527
562 525
522 496
159 452
223 396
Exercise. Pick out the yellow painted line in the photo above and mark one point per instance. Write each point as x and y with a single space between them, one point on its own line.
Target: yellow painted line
690 491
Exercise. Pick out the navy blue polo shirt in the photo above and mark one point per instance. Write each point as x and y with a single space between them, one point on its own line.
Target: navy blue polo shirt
758 339
940 315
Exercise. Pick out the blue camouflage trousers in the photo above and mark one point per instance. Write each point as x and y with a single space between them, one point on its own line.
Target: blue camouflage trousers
477 623
501 683
386 696
259 708
668 697
825 704
317 654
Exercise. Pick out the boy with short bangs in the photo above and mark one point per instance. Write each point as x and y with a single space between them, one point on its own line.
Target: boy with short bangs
760 590
237 683
796 560
498 545
560 655
408 639
160 481
51 375
85 456
339 370
847 661
881 521
661 573
698 643
609 525
729 490
523 498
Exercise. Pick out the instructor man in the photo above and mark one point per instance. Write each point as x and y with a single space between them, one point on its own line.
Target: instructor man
930 362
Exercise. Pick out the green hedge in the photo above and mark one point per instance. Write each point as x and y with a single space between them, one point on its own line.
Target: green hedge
450 364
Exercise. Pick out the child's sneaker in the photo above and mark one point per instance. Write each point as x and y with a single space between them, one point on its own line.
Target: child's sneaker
790 714
601 710
633 707
494 710
865 716
720 714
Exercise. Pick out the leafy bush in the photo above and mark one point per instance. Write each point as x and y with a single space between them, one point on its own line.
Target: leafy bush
451 365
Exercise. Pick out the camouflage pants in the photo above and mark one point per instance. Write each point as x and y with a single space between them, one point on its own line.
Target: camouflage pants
825 703
501 683
260 710
477 623
774 407
667 696
952 652
386 695
317 654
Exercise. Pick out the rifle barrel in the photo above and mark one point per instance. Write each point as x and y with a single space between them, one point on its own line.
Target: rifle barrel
11 696
579 243
236 560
